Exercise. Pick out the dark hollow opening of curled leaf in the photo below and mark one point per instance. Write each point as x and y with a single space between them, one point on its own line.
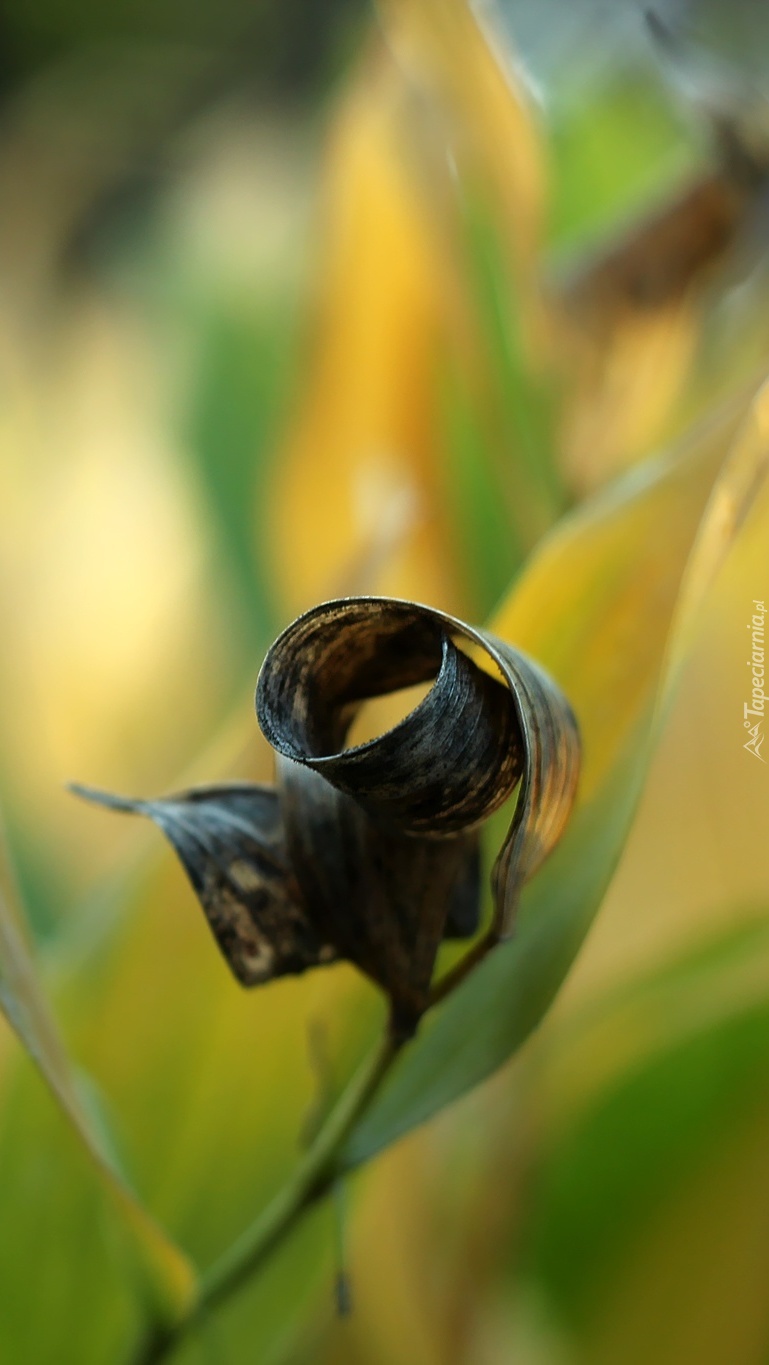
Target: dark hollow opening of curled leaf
369 850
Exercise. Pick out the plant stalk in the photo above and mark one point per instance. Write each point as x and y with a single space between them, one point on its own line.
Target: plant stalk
312 1179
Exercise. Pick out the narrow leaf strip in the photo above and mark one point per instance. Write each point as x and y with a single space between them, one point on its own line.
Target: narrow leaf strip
598 605
167 1277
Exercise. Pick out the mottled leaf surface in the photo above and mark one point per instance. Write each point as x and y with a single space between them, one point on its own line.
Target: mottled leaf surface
405 803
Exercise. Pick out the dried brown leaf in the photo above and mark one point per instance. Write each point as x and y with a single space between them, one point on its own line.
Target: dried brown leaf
370 853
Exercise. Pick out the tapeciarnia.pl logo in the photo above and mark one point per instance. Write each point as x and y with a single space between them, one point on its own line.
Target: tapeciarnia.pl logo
753 711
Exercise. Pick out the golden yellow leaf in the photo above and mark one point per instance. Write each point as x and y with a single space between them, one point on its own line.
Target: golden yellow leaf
359 486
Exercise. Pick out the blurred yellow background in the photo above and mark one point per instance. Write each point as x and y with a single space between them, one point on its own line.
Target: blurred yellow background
306 302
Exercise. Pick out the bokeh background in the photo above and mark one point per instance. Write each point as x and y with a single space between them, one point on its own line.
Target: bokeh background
302 300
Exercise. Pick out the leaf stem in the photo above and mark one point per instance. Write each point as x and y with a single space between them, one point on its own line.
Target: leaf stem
467 964
312 1179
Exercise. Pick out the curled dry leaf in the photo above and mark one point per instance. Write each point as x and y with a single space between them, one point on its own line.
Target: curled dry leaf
370 853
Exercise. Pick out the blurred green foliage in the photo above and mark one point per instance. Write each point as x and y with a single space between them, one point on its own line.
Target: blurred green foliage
146 381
